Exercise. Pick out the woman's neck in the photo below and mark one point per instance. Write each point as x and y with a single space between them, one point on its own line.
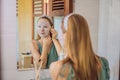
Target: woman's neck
41 41
42 38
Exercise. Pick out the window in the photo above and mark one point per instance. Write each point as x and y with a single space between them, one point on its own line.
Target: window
16 7
37 12
38 7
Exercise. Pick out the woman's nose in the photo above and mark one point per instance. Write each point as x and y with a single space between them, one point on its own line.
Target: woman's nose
42 29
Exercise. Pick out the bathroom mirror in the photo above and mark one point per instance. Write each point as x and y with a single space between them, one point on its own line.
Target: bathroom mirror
27 14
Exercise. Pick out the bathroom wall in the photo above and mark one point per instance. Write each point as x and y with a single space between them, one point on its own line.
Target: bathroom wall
109 34
90 10
8 43
0 39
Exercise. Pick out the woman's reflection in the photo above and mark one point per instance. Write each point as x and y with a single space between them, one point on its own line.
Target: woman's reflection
44 48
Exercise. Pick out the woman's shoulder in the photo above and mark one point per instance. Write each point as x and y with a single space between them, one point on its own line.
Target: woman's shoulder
105 67
61 70
56 65
33 41
55 69
34 44
104 61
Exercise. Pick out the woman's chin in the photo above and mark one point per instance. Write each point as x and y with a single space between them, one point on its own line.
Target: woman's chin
43 36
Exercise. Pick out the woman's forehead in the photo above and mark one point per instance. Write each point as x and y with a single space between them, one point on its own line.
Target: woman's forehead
43 22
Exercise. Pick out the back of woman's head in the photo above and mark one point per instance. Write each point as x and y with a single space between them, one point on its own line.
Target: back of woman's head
78 47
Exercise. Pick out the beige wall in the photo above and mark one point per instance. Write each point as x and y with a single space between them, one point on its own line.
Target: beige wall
109 34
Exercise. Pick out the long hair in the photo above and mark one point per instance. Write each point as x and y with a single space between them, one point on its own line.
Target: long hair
79 49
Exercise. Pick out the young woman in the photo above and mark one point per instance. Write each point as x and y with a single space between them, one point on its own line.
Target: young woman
81 62
44 48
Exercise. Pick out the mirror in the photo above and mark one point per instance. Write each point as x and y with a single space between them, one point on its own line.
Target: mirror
27 14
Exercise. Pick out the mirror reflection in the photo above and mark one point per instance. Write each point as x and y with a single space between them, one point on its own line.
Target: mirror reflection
44 49
36 32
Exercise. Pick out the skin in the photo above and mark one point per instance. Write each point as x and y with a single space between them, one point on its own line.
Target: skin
55 41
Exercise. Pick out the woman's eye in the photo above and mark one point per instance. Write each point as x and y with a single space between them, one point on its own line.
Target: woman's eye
39 26
45 26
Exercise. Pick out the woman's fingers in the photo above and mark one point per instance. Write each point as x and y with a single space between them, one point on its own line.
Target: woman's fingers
43 59
47 38
53 31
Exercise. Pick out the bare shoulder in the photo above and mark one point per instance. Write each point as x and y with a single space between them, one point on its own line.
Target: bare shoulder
58 68
55 69
33 44
55 65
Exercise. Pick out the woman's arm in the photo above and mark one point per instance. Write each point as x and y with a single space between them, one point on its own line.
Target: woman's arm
57 46
55 41
34 51
36 54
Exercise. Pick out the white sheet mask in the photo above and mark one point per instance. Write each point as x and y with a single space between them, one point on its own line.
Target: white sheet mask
43 28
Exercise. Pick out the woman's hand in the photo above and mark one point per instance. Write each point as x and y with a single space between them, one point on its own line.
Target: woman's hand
43 58
56 41
54 33
47 42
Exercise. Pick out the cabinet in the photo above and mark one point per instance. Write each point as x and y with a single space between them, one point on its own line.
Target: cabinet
25 61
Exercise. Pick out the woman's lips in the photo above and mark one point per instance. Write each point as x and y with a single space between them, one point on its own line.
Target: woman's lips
42 33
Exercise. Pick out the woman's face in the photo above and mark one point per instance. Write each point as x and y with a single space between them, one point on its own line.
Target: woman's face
43 28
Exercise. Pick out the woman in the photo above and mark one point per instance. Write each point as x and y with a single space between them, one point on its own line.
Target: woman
44 49
81 62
